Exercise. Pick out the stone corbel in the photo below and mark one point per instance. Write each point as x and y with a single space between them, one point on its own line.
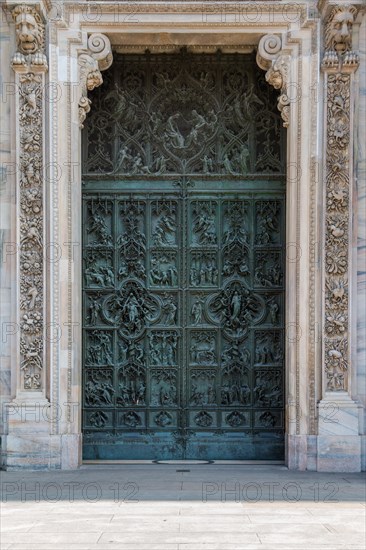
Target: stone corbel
338 54
98 57
275 62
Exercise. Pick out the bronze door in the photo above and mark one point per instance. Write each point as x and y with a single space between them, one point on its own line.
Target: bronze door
183 252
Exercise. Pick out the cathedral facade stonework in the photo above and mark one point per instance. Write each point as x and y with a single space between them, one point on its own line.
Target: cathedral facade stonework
54 54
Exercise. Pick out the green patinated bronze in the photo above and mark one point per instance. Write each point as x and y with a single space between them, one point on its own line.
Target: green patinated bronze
183 205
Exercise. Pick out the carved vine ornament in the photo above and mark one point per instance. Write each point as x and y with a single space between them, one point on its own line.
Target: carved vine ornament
30 64
338 63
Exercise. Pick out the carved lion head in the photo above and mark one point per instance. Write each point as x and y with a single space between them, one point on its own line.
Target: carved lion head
29 29
339 27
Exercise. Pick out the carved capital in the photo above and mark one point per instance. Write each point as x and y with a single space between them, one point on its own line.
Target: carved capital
338 40
98 57
30 36
271 59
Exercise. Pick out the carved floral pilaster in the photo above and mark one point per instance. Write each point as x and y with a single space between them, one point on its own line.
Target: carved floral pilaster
98 57
30 65
275 62
338 64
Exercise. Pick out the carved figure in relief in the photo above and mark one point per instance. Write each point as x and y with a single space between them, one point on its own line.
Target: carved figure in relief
163 419
99 352
172 133
202 349
94 310
267 273
197 311
123 349
198 122
99 226
32 293
235 306
273 311
263 350
163 387
98 390
132 419
163 272
204 227
207 164
94 276
164 232
243 159
98 419
122 159
32 237
235 419
140 399
160 165
227 164
267 419
163 347
203 419
197 396
169 311
203 270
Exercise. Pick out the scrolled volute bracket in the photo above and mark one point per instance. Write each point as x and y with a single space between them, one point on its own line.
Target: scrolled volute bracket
92 61
272 59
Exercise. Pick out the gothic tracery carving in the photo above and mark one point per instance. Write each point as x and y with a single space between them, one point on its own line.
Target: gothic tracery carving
170 119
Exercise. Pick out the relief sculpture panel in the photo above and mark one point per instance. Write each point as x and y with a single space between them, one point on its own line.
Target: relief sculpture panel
183 276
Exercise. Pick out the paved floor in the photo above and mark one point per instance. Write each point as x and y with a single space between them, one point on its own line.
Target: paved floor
182 507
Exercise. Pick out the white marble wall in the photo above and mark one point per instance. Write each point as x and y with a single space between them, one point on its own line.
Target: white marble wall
360 156
7 222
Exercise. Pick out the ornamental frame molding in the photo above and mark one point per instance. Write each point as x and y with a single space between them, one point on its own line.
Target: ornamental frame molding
289 54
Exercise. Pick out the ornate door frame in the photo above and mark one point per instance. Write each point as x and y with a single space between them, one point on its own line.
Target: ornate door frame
69 63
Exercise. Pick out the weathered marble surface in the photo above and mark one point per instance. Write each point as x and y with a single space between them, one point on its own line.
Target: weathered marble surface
7 221
360 355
